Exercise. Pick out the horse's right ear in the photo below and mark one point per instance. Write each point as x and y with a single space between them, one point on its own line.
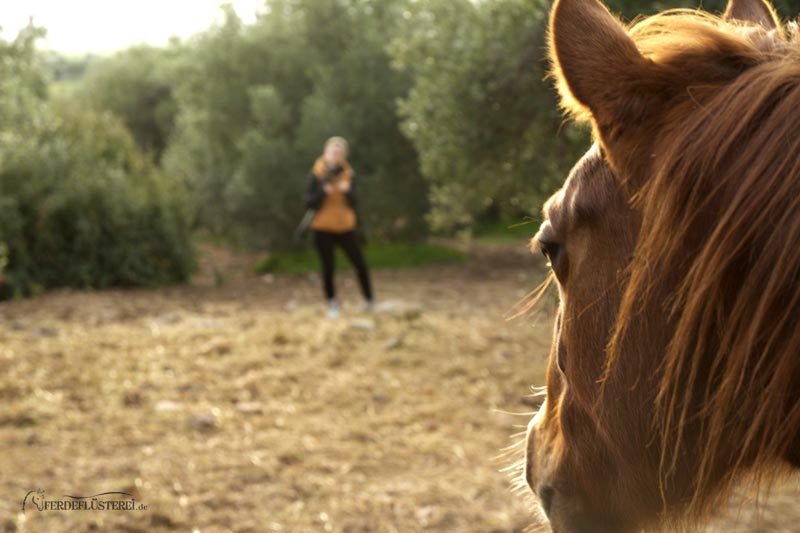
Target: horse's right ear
753 11
594 60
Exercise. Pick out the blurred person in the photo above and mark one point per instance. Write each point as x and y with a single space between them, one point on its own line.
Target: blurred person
333 197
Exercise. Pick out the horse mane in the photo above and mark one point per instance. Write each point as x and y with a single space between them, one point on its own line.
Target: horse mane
721 222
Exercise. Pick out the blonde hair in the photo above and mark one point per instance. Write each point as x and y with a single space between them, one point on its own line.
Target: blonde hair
341 141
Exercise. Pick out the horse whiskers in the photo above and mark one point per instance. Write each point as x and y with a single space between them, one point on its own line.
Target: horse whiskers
510 413
527 303
511 452
538 391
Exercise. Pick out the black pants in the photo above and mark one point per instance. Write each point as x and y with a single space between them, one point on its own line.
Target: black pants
325 243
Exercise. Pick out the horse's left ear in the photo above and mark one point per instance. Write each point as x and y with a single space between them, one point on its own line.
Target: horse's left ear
755 11
594 60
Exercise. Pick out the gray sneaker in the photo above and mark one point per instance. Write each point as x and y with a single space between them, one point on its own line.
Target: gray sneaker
333 309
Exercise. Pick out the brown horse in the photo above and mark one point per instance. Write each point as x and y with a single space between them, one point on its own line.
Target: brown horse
675 242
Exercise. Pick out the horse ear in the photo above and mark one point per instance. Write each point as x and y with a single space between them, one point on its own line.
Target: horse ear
755 11
592 57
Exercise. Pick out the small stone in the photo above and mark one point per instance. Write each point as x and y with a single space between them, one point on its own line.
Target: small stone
203 422
381 398
394 343
364 324
162 520
215 348
250 408
425 514
132 398
45 332
167 318
166 406
291 458
280 339
400 309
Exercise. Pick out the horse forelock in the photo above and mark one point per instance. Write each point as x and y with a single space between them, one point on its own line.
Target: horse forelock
718 252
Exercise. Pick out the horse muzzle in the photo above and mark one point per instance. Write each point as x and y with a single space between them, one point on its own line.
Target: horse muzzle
534 459
561 506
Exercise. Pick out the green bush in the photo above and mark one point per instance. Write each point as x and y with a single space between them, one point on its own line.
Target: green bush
81 206
80 203
3 261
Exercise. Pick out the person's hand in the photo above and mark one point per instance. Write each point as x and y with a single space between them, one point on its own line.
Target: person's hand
328 188
344 186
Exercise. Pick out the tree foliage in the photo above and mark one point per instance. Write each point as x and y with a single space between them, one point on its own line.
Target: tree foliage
453 124
446 103
136 85
256 103
79 204
481 113
485 124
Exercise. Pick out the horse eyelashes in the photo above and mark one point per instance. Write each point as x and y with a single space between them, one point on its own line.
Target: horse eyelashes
550 251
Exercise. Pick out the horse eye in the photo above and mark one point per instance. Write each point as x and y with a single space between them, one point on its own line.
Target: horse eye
546 241
550 250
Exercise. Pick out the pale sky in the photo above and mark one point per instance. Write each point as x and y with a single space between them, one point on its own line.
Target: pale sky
77 26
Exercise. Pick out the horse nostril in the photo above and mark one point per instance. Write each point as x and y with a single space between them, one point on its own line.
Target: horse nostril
546 495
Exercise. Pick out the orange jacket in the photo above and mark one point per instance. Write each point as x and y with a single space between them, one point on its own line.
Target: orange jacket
335 211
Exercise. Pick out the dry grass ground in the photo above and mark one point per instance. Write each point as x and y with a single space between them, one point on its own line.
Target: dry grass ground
240 408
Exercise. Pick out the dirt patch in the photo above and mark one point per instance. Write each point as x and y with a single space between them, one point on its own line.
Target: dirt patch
241 408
